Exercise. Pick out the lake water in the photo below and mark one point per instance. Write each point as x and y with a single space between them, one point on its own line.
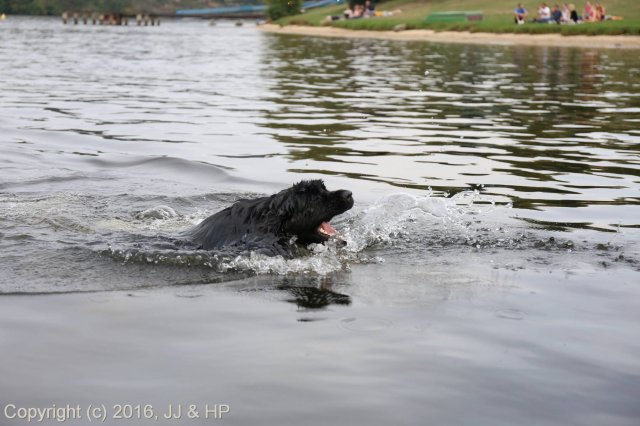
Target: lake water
491 273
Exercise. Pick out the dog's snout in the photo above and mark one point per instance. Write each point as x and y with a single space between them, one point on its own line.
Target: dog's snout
345 194
346 198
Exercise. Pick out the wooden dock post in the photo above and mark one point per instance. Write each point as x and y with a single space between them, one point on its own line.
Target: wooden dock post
65 16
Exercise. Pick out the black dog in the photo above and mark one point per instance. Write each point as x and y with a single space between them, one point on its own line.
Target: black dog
269 225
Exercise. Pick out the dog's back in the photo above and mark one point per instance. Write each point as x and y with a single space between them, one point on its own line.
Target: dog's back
213 232
244 223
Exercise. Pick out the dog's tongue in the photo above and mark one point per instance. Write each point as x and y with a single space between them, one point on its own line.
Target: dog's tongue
328 229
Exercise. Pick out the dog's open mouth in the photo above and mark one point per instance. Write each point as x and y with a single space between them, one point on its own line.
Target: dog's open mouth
326 230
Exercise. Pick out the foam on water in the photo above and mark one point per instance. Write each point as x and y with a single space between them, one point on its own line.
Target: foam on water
139 239
397 223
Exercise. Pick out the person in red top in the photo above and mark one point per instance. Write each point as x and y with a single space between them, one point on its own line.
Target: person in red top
589 13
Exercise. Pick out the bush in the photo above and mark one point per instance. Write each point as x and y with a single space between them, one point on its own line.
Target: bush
280 8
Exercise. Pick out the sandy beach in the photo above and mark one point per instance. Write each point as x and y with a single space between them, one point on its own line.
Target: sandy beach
607 42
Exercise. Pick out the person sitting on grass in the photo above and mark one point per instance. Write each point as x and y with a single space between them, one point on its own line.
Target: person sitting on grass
520 14
347 14
369 9
358 11
566 14
544 14
589 13
600 12
556 14
573 14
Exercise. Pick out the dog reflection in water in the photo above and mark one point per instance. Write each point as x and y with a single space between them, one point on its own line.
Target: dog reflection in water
308 293
307 297
276 225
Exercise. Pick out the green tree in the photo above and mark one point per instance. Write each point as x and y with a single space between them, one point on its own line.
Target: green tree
279 8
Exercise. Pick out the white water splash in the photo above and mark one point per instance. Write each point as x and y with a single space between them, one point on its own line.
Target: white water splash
391 219
158 212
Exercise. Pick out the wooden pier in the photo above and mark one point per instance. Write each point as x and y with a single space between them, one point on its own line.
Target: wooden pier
141 19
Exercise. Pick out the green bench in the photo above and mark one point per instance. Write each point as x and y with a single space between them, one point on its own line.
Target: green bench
454 17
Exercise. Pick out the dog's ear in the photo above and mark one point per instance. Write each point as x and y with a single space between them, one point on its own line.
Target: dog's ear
305 186
301 186
283 205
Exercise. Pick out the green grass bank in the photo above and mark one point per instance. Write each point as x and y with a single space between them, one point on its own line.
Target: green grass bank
498 17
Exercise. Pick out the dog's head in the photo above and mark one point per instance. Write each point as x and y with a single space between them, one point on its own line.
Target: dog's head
306 209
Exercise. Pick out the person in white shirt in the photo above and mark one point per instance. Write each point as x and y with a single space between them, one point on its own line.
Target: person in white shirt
544 14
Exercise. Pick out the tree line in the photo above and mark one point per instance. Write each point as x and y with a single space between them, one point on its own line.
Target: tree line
56 7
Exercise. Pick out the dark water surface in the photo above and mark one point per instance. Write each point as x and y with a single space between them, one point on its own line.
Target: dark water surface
491 275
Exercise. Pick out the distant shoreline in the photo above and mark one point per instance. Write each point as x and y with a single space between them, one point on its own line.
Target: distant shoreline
504 39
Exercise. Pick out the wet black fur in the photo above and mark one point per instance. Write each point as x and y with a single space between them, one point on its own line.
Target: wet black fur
268 224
